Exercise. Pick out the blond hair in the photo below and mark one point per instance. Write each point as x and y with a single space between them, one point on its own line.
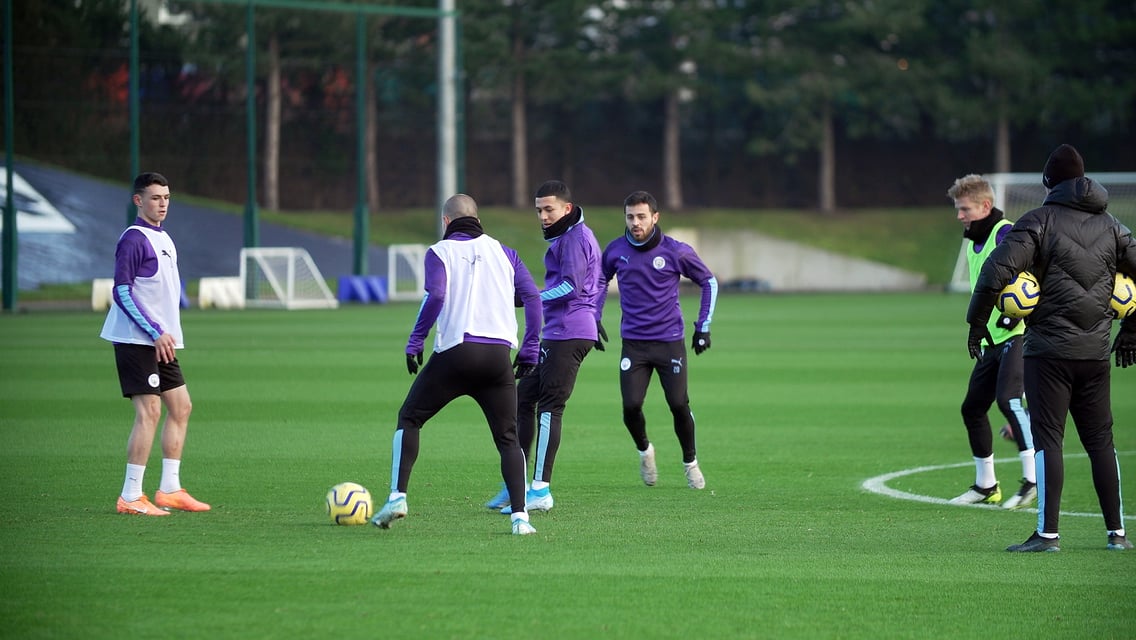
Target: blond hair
972 186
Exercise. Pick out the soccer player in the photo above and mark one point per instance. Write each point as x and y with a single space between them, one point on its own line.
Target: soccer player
648 266
571 291
472 281
1074 248
997 375
144 324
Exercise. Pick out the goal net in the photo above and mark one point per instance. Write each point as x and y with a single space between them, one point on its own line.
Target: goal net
406 275
1017 193
283 277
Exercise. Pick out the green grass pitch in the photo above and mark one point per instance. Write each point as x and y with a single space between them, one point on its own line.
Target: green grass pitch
801 399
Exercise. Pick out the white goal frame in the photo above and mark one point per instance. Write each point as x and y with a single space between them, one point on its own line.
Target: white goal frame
283 277
406 272
1017 193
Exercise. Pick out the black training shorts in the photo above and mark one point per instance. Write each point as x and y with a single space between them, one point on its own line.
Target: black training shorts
140 373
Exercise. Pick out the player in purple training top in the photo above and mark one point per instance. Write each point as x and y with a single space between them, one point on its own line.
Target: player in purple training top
648 266
472 284
144 324
571 292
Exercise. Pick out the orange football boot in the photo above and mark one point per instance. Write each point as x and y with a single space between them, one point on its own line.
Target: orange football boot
180 500
140 507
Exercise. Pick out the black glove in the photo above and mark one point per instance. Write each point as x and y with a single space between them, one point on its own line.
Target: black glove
1007 323
700 342
602 336
978 333
1125 345
523 369
411 363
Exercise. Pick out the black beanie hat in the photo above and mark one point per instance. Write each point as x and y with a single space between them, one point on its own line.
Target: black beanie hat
1064 163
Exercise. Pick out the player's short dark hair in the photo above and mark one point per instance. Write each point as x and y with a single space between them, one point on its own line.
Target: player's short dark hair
146 179
554 188
642 197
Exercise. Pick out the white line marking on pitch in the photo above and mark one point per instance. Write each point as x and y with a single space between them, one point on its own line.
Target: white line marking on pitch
878 485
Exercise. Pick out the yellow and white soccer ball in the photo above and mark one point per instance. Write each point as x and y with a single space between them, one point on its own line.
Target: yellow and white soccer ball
1019 298
1123 300
349 503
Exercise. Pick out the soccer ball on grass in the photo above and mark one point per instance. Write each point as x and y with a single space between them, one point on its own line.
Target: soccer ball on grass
349 503
1123 301
1019 298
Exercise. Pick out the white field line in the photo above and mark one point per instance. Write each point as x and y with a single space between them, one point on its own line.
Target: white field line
878 485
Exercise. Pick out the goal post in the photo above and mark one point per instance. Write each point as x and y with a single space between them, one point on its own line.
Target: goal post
283 278
1017 193
406 272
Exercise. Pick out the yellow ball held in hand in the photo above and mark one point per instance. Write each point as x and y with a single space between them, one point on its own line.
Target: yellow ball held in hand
1123 301
1019 298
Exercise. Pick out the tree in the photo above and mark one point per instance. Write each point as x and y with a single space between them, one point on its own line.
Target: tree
992 69
1091 85
1006 69
542 56
823 63
71 80
679 51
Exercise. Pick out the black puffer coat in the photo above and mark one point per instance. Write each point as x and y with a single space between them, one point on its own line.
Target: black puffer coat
1074 247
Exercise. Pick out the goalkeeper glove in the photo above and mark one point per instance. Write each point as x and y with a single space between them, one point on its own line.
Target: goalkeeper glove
411 364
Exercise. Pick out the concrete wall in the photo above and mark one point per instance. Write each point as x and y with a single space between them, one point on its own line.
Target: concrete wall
788 266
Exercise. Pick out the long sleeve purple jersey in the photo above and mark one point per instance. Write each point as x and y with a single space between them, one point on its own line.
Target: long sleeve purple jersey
134 257
435 285
571 285
649 286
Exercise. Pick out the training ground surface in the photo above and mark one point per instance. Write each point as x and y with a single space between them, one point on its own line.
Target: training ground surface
800 401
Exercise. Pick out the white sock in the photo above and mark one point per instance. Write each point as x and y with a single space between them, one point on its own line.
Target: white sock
1048 536
649 450
132 487
537 485
1118 532
984 472
519 516
692 463
1029 469
395 495
171 481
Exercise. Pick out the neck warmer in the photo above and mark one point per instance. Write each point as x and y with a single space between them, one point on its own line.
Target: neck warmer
557 229
980 230
651 242
468 225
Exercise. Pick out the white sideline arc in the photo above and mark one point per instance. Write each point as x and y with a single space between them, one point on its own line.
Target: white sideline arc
878 485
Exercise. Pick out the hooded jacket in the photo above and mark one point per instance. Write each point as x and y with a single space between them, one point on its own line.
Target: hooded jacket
1074 247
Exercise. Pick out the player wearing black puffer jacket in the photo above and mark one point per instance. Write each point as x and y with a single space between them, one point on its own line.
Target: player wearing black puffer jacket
1075 248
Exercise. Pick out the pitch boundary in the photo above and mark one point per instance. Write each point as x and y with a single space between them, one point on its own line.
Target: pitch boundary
878 485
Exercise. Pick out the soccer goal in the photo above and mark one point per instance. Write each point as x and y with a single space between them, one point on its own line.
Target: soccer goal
406 272
283 277
1017 193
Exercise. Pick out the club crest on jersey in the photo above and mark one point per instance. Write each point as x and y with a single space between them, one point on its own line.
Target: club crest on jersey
658 262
